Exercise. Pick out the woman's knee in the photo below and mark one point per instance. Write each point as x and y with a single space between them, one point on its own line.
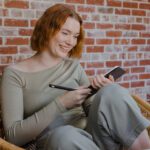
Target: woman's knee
111 93
59 133
65 136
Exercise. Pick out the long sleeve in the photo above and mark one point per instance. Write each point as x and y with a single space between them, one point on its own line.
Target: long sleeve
20 130
85 81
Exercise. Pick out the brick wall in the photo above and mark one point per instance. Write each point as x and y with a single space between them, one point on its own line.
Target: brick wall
117 33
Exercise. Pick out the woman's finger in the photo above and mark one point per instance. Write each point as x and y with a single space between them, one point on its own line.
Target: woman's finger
96 84
111 78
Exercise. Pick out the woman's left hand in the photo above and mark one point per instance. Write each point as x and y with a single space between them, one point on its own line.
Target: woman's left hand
100 81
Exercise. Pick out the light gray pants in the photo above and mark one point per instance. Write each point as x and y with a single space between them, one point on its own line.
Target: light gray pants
114 121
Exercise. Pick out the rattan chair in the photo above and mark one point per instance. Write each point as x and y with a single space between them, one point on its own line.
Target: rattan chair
144 106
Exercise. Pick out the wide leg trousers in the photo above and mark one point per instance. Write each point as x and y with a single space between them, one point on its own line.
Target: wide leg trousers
114 121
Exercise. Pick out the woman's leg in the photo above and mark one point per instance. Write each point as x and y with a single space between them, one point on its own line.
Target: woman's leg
66 138
115 119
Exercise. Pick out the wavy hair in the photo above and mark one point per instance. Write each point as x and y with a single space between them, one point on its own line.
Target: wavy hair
50 23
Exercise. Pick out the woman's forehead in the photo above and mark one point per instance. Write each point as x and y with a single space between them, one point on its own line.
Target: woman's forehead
71 25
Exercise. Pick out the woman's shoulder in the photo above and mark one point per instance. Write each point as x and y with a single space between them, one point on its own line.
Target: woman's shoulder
72 61
21 66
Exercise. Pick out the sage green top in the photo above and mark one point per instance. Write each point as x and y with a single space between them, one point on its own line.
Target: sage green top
29 105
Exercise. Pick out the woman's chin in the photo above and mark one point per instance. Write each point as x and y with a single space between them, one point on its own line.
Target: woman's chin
64 55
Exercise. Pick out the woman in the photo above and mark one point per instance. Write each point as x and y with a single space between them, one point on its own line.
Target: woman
54 118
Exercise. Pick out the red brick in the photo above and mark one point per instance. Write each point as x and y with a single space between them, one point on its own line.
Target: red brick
17 41
139 56
95 49
89 41
138 27
84 17
137 84
113 33
4 12
113 63
2 69
25 50
0 22
145 62
122 56
82 64
6 60
33 23
89 25
104 41
0 40
95 64
138 12
123 26
137 69
16 4
132 48
148 98
146 48
113 3
86 9
138 41
8 50
145 34
90 72
104 26
71 6
144 6
15 22
95 17
113 56
122 41
144 76
75 1
25 32
95 2
130 5
139 20
146 20
105 10
125 84
148 82
122 11
148 41
130 63
130 77
102 71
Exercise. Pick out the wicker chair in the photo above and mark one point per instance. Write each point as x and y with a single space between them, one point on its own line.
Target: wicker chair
145 108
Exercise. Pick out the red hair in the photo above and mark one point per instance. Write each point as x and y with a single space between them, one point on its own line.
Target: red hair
50 23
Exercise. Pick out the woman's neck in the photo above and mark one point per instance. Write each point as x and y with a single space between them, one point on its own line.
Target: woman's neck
46 60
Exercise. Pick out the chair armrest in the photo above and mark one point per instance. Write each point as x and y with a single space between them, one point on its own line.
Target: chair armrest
4 145
144 106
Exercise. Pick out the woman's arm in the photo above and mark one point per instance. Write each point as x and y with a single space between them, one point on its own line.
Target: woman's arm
17 129
96 82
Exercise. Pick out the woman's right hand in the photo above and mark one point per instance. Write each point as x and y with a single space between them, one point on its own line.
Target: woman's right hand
74 98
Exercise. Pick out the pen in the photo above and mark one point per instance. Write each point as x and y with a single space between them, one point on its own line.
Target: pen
61 87
68 89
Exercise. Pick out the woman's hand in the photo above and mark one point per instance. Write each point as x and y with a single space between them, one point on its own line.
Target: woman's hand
100 81
74 98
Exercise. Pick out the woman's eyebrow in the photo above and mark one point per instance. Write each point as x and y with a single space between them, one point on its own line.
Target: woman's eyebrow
70 31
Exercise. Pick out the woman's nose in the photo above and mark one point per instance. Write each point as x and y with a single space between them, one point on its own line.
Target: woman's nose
70 40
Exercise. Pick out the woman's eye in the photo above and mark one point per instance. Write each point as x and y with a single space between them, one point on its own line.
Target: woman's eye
75 37
64 33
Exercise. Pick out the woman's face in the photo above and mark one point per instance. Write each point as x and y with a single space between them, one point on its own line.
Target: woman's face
63 42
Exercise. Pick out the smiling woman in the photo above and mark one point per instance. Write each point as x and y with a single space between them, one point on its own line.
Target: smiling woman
47 27
66 39
32 111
